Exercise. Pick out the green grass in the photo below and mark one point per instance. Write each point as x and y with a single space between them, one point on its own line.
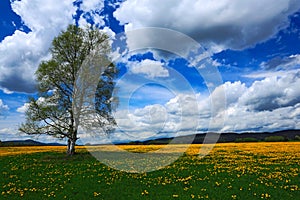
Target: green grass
227 173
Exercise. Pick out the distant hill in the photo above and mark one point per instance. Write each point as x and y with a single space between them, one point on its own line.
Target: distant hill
286 135
27 143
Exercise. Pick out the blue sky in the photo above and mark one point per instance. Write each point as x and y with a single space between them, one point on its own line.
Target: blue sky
252 46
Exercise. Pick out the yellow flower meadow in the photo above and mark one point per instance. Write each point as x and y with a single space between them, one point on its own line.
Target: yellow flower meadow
230 171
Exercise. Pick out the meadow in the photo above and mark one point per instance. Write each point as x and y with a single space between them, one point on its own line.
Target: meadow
231 171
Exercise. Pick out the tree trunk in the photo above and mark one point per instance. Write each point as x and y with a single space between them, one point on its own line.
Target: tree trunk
71 146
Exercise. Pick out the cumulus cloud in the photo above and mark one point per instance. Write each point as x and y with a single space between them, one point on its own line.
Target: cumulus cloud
21 53
109 32
158 120
91 13
92 5
218 25
149 68
272 93
232 92
267 105
23 108
183 104
18 66
241 119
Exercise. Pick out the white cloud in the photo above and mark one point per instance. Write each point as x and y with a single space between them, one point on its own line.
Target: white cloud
150 68
284 63
6 91
21 53
109 32
23 108
91 12
3 107
141 123
179 114
242 119
219 25
87 6
183 104
8 134
232 92
272 93
53 14
267 105
5 130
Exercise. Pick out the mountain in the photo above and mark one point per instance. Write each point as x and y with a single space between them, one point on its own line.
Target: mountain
27 143
286 135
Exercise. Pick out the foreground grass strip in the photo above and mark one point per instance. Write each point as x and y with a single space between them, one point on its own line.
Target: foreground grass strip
230 171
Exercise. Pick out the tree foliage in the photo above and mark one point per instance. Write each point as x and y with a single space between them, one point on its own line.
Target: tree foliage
61 106
275 138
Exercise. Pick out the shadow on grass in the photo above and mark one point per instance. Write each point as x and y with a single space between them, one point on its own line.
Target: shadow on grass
63 157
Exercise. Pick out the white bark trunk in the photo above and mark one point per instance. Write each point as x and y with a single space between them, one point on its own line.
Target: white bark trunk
71 147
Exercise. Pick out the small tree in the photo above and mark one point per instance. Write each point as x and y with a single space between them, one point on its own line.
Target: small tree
247 139
60 106
275 138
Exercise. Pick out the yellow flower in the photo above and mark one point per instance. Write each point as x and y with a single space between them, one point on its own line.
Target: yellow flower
96 194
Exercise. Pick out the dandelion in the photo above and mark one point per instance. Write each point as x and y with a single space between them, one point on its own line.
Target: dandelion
145 192
96 194
218 184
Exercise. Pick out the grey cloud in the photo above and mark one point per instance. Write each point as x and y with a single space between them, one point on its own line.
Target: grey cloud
219 25
272 93
17 83
281 62
21 53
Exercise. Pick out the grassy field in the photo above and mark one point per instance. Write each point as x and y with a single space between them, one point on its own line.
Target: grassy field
230 171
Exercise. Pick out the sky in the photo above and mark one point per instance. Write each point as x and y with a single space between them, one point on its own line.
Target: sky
186 66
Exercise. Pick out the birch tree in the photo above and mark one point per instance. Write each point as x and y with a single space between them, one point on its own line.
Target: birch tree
59 108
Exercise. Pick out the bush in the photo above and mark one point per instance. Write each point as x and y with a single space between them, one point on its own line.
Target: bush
275 139
297 137
246 140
